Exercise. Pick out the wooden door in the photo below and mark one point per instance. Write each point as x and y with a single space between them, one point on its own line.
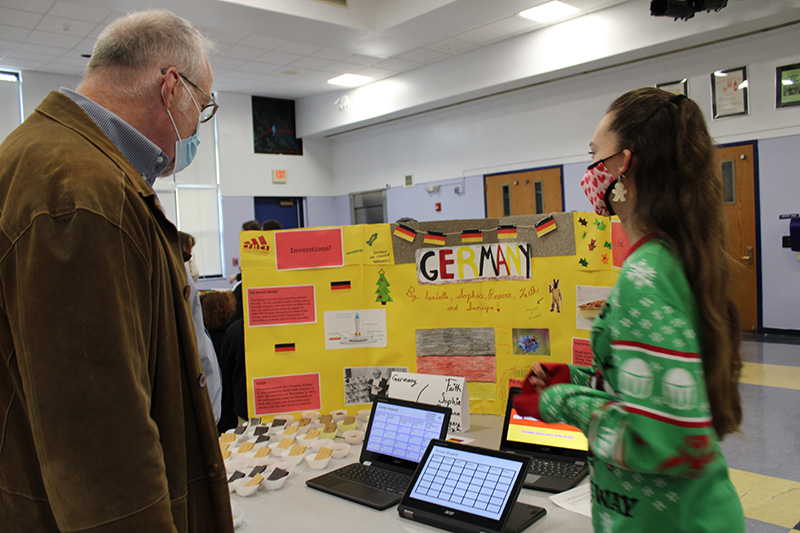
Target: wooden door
524 193
738 172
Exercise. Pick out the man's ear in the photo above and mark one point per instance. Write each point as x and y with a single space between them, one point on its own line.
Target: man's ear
626 163
169 86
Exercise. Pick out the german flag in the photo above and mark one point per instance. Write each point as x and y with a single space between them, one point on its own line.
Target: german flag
340 286
507 232
284 349
434 237
471 235
545 226
405 232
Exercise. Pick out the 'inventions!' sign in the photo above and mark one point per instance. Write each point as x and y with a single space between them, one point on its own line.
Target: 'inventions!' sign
460 264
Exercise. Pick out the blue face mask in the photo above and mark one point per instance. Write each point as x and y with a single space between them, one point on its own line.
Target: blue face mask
185 149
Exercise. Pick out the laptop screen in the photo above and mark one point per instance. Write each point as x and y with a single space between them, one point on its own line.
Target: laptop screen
466 481
530 430
403 431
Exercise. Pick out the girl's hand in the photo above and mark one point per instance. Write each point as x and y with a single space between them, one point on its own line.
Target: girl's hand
538 377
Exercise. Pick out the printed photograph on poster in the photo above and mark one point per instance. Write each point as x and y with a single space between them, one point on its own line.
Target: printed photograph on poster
530 341
362 384
355 328
590 301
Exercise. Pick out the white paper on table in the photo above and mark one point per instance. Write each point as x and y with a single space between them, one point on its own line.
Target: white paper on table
577 500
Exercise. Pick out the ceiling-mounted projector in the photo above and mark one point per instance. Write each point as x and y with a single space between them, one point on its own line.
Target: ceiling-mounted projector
684 9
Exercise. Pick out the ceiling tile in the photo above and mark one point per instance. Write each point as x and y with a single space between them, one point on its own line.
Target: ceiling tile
331 53
83 12
290 72
85 46
376 73
52 39
483 35
279 58
224 36
341 68
37 6
65 26
451 46
12 33
30 56
318 76
394 63
314 63
302 49
241 52
422 55
255 67
226 63
362 59
262 41
51 51
19 18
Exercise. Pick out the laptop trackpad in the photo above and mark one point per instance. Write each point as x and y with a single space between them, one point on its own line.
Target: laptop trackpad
532 478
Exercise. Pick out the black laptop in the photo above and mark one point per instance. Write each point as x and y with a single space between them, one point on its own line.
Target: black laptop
558 452
467 489
396 438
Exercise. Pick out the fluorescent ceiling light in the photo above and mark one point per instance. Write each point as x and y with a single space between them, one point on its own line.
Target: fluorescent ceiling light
549 12
350 80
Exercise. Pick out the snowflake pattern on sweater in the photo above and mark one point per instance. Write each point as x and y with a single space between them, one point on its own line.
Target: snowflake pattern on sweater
655 459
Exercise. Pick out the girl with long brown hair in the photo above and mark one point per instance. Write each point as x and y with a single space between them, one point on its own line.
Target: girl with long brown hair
663 387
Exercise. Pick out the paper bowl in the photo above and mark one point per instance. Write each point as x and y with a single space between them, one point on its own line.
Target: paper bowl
293 459
263 461
339 414
348 427
313 415
238 514
282 435
238 463
289 418
301 439
317 464
275 484
241 488
355 436
363 414
289 467
340 450
316 444
331 435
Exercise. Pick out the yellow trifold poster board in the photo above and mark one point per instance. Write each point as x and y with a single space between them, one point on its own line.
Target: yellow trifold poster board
331 313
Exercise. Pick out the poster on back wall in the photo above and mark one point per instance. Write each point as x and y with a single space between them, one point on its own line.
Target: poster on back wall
476 299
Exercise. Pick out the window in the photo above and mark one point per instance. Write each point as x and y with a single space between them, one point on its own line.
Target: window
10 102
368 207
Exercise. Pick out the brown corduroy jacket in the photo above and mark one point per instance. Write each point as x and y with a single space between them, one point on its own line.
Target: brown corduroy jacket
105 422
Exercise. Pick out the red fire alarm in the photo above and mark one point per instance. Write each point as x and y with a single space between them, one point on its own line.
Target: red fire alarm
437 206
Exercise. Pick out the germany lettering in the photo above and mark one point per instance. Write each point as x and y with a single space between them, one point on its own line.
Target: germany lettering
461 264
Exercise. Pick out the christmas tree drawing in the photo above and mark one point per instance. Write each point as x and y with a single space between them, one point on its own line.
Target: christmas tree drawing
383 289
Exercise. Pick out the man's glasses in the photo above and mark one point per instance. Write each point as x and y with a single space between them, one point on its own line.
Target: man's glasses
207 111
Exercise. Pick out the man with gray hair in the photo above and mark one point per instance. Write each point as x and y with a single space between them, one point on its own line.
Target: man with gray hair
105 421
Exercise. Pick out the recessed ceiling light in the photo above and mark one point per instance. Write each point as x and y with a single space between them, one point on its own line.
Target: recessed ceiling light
350 80
290 72
549 12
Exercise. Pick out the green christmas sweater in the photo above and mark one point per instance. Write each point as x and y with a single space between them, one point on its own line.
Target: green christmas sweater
655 460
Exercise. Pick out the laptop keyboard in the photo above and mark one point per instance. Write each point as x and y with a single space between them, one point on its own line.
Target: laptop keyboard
544 467
374 477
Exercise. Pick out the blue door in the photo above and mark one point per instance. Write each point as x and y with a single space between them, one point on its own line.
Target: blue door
287 211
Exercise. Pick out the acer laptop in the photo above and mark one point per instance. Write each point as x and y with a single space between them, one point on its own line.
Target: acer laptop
467 489
558 452
397 435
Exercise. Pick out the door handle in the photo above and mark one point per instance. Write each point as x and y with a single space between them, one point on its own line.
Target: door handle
749 256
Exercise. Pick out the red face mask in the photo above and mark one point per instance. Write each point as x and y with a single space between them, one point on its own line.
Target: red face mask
596 185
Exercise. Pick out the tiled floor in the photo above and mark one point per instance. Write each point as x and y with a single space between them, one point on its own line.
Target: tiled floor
765 457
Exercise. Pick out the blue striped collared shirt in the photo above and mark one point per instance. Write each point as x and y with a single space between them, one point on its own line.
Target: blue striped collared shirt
141 152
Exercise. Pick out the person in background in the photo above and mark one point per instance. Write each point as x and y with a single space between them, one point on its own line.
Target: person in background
218 307
105 420
663 387
270 225
187 245
205 347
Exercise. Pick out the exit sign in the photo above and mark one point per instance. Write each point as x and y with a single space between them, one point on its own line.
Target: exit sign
278 176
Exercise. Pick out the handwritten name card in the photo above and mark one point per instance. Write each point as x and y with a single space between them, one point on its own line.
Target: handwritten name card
446 391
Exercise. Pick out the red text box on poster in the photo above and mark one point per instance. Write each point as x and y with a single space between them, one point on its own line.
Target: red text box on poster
620 244
286 394
278 306
317 248
581 352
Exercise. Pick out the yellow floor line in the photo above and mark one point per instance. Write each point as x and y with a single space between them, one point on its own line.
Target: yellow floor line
769 499
787 377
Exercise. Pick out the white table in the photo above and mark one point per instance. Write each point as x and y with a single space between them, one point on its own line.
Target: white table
298 508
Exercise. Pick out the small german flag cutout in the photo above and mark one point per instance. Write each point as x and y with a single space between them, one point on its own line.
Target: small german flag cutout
545 226
284 349
340 286
507 232
434 237
405 232
471 235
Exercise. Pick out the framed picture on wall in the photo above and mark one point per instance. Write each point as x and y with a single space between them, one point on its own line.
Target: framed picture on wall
274 127
675 87
787 85
729 96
